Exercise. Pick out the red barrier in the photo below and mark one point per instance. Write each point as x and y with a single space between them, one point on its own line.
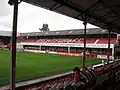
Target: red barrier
68 54
92 55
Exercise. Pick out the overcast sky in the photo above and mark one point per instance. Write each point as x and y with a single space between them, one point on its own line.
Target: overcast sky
31 18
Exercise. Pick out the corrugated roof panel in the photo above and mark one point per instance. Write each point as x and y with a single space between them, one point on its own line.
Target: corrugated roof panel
104 13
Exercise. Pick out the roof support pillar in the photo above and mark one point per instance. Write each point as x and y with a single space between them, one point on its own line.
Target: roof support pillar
13 58
108 51
68 49
14 36
84 51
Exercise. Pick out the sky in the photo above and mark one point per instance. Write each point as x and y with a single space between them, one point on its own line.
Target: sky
31 18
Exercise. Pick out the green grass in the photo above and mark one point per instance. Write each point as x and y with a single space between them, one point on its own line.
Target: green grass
31 65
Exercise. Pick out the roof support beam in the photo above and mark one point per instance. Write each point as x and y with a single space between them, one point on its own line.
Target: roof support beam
97 3
55 6
68 4
14 35
13 62
85 18
108 51
112 11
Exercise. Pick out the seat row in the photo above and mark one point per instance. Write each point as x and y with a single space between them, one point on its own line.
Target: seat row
73 40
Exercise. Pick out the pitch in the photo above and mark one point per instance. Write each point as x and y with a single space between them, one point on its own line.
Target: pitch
31 65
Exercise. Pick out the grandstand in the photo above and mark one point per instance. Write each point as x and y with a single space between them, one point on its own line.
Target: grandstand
66 42
5 37
70 42
1 43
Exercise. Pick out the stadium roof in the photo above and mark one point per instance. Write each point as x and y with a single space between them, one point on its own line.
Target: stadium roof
67 32
102 13
7 33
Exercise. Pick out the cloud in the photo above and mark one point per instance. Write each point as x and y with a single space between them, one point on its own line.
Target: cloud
4 8
5 15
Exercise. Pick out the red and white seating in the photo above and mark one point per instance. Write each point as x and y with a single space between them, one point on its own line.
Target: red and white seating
73 40
30 40
105 41
1 42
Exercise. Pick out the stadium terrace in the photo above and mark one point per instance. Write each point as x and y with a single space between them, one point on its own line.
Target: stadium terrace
64 43
70 41
67 42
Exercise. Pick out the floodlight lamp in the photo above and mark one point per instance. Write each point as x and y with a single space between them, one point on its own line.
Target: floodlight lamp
12 2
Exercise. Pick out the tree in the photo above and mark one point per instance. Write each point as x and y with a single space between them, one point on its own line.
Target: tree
44 27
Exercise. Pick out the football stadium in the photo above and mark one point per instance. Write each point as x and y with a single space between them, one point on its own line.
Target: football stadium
33 57
75 59
48 53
